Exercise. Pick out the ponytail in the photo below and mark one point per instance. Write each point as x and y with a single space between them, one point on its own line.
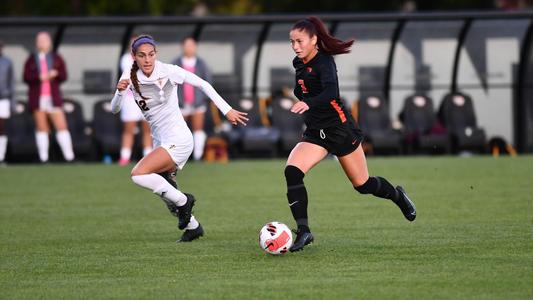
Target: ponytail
134 80
326 42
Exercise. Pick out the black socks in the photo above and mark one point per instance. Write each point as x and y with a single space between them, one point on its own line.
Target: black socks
379 187
297 196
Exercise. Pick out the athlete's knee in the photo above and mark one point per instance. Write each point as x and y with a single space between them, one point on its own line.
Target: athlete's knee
359 181
136 171
154 183
293 175
368 187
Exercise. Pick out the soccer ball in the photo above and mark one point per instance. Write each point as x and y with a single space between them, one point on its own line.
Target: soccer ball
275 238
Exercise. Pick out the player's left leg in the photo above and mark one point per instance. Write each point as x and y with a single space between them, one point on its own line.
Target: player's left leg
192 232
62 134
145 174
303 158
170 177
355 167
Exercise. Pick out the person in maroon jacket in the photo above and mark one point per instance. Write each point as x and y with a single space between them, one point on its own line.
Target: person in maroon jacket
44 71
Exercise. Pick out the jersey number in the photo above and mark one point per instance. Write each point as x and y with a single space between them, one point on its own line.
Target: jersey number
302 85
142 105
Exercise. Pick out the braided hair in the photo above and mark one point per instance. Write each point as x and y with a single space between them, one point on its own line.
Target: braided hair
140 40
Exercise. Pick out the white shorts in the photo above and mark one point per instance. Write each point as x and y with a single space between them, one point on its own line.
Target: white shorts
189 109
179 148
46 104
130 112
5 109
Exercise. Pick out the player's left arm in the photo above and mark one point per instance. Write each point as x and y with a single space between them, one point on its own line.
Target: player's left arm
327 73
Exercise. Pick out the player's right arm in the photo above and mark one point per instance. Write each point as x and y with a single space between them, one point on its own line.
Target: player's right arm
116 102
122 85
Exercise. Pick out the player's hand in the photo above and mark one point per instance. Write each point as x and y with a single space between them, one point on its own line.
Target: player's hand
53 74
123 84
235 117
299 107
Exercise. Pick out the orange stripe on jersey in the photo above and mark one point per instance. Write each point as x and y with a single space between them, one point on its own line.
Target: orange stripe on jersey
339 110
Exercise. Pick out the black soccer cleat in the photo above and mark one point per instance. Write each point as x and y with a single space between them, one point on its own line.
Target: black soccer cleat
192 234
406 205
185 212
303 238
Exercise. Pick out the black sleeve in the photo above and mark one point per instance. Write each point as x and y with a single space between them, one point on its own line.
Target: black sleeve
328 78
298 91
296 63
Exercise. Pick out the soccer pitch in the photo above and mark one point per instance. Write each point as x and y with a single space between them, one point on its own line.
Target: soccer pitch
86 231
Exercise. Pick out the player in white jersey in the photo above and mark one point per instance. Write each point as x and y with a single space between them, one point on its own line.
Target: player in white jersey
154 84
131 116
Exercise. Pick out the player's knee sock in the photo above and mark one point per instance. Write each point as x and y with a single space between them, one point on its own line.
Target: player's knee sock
379 187
199 138
65 143
193 224
3 147
297 196
125 153
158 185
41 138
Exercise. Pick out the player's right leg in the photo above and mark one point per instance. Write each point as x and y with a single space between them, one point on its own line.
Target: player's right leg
303 157
42 130
145 174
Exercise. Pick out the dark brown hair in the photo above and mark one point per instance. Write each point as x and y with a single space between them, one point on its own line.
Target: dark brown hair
135 67
325 41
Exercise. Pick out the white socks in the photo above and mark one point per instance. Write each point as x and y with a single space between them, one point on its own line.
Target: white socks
63 139
193 224
199 138
125 153
65 143
3 147
41 137
158 185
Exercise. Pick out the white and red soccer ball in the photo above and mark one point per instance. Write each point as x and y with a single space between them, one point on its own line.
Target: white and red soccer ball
275 238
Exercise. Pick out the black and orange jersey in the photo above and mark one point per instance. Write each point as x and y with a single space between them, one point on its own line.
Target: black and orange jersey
318 86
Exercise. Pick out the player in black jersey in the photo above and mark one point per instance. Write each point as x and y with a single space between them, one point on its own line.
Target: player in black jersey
330 127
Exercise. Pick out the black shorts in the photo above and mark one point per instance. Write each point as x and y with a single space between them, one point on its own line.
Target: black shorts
338 140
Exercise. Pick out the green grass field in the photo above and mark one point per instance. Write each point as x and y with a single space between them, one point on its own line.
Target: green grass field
86 231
